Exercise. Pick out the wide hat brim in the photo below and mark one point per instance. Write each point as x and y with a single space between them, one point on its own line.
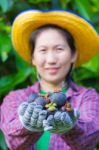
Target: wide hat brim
86 38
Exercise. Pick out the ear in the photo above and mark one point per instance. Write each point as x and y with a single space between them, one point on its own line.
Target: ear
74 57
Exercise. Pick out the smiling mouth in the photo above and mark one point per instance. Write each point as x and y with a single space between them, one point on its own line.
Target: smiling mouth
52 70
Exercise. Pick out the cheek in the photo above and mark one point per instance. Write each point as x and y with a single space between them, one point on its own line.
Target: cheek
65 59
38 61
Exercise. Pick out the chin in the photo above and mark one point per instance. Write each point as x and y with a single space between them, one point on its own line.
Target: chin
55 81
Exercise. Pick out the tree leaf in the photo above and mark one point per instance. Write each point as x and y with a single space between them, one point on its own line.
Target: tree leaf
63 4
87 71
3 145
9 82
5 45
93 65
38 1
5 5
84 8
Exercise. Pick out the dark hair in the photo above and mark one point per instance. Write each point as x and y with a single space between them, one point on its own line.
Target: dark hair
67 36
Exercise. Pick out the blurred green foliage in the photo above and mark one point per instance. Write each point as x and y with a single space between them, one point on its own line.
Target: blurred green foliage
14 72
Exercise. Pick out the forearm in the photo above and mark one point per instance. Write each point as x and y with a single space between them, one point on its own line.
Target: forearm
83 135
17 137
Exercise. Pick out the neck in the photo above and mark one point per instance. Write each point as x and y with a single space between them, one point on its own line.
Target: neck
49 87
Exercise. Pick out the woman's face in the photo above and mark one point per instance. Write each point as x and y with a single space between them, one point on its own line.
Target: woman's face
52 56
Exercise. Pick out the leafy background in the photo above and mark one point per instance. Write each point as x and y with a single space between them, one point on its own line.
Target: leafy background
14 72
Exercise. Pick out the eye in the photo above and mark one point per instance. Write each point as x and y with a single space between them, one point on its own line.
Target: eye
42 50
60 49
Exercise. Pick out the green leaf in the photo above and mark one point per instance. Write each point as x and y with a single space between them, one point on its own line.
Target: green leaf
20 63
5 5
55 4
9 82
84 8
93 65
5 45
4 27
96 4
81 74
38 1
3 145
88 70
64 3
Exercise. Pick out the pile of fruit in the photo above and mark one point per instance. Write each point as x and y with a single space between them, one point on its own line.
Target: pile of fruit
52 101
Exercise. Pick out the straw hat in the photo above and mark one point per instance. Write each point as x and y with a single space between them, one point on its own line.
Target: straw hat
86 38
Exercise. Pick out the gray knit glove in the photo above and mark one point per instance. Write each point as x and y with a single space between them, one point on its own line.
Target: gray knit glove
31 116
61 122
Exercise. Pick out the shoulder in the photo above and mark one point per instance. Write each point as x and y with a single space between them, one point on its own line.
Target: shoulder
84 96
86 92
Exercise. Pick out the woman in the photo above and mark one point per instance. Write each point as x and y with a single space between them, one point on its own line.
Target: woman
54 42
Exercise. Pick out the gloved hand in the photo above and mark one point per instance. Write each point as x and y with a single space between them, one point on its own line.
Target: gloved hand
31 116
61 122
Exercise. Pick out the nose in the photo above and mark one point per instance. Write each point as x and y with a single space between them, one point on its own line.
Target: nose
51 58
